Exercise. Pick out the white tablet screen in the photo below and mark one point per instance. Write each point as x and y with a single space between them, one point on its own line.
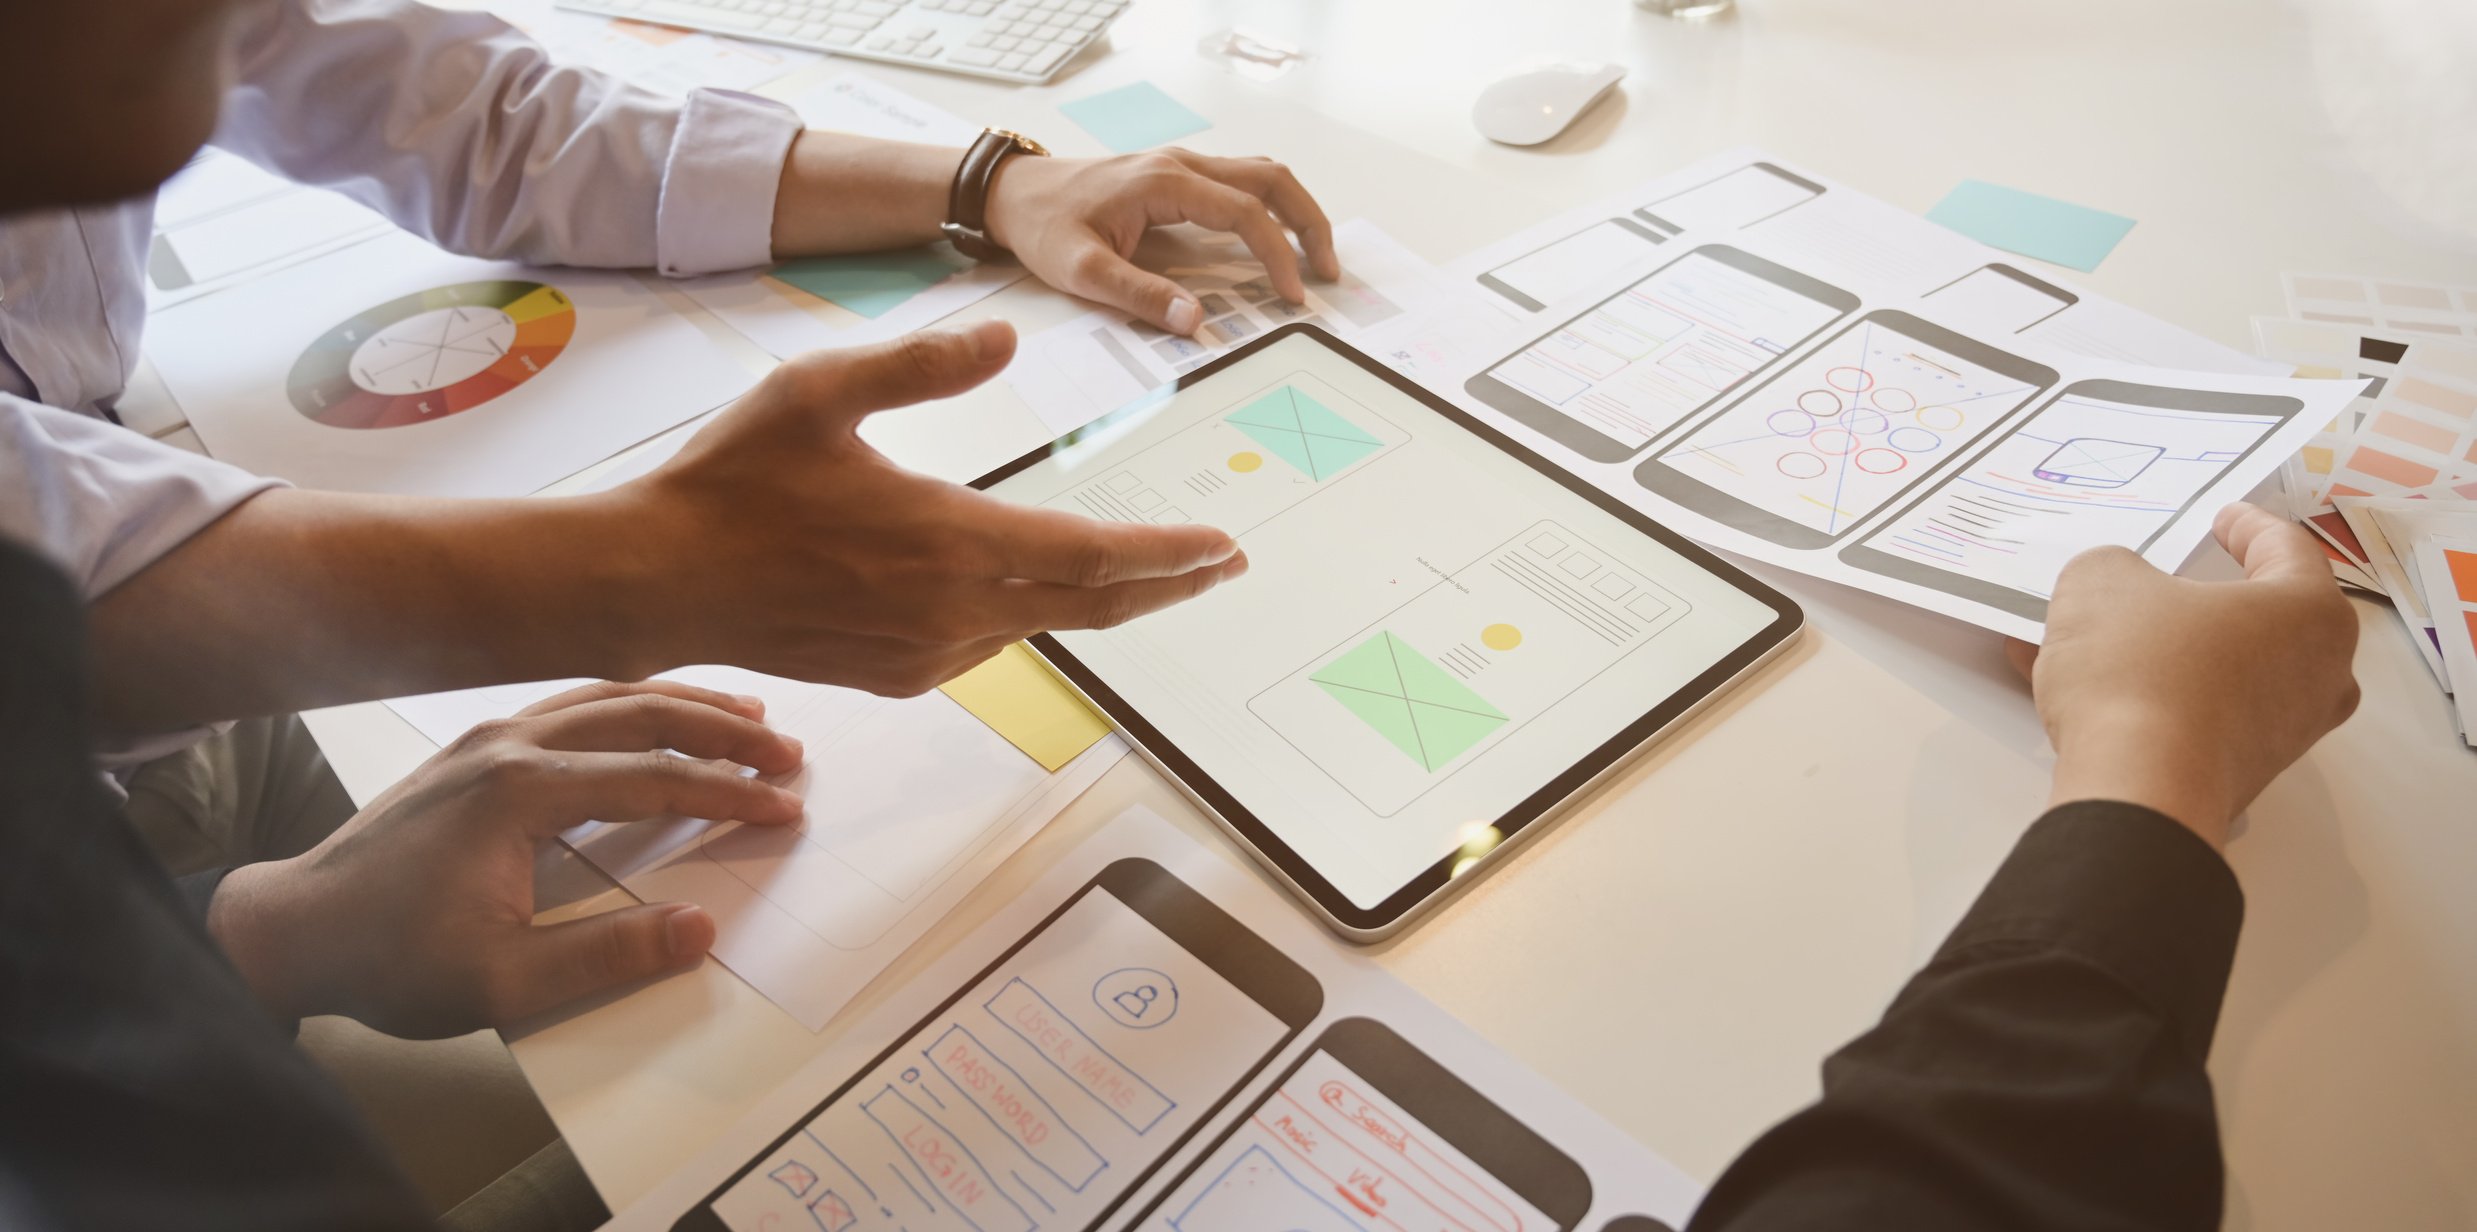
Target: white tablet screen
1430 630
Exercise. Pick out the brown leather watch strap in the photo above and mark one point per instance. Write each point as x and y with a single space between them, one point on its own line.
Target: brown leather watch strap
967 202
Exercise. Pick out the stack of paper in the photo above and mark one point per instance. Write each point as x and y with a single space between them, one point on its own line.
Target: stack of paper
2391 483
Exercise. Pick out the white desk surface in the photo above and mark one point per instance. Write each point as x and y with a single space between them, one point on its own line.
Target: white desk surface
1684 951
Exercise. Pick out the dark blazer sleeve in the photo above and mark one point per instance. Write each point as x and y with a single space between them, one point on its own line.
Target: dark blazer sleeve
2045 1071
141 1085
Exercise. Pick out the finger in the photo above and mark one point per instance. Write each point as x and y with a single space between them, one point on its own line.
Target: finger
604 690
844 386
1210 203
1275 185
1101 275
1050 545
641 722
2269 547
2022 655
553 965
562 789
2101 568
1051 606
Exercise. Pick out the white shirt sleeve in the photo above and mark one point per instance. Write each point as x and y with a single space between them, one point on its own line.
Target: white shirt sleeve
103 503
459 128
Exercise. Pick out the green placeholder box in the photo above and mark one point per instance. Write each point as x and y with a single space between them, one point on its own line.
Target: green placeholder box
1303 432
870 283
1418 707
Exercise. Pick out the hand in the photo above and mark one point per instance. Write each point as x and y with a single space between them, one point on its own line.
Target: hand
2190 697
416 916
1075 223
779 541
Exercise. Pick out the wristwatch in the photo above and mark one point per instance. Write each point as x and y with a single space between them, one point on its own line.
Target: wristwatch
967 203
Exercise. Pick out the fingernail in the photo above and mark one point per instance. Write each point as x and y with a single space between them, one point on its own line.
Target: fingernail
793 747
1222 551
1235 570
1185 316
753 704
790 804
989 339
686 932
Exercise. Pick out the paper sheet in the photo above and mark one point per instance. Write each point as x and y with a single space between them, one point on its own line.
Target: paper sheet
1075 372
1134 117
2389 303
1779 366
912 802
1151 1038
1021 699
2419 432
391 366
2034 226
221 220
665 59
860 298
2447 569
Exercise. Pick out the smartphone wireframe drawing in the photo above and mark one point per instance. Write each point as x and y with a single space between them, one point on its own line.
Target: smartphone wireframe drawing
1049 1087
1570 265
1733 200
1365 1131
2001 296
2103 462
1607 382
1845 430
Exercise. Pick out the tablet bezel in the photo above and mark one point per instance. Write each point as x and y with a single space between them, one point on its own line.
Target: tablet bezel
1526 816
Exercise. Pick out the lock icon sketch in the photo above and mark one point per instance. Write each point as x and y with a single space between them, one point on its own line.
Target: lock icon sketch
1138 998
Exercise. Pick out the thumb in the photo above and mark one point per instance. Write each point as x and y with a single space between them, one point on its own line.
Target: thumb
2267 545
562 962
1111 279
846 385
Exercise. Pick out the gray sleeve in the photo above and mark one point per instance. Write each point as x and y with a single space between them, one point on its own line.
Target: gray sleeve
459 128
103 503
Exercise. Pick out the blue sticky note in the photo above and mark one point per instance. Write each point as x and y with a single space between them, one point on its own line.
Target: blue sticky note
870 283
2032 225
1136 117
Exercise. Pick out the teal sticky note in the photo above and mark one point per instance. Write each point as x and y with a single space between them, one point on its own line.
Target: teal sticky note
870 283
1136 117
2032 225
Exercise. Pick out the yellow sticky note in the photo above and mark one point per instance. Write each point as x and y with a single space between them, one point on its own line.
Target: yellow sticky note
1021 699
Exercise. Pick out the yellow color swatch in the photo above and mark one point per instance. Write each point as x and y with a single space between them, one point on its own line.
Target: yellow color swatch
1021 699
1245 461
1500 637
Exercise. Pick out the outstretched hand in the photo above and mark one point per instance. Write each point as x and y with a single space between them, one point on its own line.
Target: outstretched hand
781 542
2189 697
417 916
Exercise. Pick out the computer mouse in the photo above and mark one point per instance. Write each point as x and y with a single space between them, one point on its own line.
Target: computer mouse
1537 100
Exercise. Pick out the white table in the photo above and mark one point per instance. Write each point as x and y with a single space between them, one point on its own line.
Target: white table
1684 951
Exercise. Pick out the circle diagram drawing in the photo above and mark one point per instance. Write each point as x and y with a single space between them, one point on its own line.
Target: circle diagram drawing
431 354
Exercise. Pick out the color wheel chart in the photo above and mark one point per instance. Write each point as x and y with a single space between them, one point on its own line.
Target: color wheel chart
431 354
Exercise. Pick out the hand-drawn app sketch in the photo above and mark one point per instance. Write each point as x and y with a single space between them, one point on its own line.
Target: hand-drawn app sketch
2103 462
1368 1134
1043 1092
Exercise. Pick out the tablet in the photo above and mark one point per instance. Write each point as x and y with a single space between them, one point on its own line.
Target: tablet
1441 640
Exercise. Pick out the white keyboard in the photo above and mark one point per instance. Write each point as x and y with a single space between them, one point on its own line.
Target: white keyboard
1011 40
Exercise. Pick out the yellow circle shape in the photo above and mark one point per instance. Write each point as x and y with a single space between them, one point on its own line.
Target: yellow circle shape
1500 637
1245 461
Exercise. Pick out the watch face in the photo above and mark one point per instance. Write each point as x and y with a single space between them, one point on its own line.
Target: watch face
1023 143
